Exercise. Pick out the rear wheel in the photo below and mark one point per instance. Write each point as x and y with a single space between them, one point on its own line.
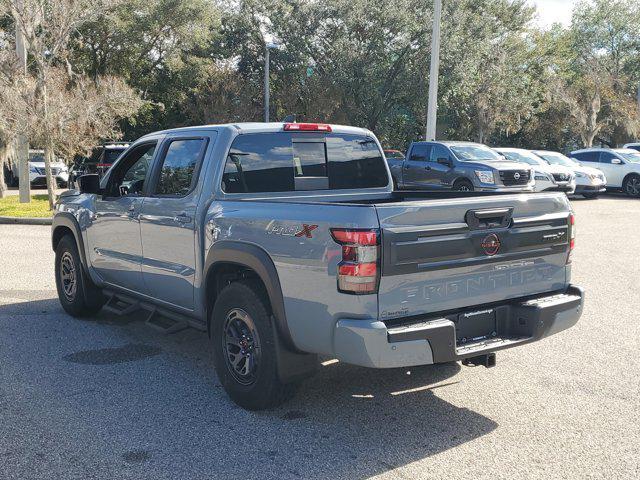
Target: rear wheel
463 185
631 185
78 295
244 347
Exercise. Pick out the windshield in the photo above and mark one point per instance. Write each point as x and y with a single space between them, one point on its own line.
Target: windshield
468 153
633 157
522 156
555 158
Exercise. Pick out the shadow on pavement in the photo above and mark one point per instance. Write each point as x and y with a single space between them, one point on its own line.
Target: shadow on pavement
124 400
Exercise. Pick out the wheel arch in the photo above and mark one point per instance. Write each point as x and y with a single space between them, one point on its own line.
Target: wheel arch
63 224
245 259
462 179
629 175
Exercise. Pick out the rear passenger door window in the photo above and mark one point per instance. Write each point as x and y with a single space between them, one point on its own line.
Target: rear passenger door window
178 170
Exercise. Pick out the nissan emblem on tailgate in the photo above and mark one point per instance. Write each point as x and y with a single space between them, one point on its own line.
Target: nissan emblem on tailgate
490 244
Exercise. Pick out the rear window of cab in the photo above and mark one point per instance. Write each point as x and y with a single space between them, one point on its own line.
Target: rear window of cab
296 161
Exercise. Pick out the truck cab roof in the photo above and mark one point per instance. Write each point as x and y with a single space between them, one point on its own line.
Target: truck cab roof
259 127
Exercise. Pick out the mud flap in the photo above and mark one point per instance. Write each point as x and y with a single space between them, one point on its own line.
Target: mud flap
292 366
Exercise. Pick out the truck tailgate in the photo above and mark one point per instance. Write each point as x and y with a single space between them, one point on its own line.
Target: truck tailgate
447 254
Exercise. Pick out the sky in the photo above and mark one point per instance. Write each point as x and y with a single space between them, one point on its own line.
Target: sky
550 11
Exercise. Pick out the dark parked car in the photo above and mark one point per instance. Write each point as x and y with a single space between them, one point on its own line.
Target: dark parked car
100 161
462 166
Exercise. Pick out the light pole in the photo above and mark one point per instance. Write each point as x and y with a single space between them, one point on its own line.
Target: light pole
22 143
432 105
268 46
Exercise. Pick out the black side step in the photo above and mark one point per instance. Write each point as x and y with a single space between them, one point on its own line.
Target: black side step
162 320
165 324
121 306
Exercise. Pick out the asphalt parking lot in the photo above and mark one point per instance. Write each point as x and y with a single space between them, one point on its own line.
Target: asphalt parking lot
111 398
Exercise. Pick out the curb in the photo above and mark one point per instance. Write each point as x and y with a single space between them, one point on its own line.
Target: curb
25 221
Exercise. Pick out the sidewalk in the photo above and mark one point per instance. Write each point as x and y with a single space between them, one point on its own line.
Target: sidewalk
35 191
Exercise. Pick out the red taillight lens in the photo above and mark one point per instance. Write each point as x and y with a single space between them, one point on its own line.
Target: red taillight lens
358 269
572 236
355 237
358 272
307 127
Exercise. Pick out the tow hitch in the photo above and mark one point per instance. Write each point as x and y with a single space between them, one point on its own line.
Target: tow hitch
488 360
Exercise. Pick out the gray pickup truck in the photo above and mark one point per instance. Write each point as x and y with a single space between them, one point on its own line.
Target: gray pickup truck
461 166
287 241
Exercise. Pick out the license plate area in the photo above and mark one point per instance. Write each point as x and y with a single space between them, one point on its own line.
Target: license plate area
475 326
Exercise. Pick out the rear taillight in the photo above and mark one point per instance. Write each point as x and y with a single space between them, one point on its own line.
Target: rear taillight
307 127
359 270
572 236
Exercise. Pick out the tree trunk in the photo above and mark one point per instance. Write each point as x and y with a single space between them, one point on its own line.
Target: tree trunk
48 148
48 158
4 154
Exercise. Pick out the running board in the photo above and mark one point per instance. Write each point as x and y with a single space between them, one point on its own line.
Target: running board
121 306
165 324
162 320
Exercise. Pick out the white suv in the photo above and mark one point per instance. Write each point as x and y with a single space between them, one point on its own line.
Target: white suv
633 146
548 177
590 182
37 174
620 165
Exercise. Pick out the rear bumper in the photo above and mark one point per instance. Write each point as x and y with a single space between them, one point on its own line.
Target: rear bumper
433 340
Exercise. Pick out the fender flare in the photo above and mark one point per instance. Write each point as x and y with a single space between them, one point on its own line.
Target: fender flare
66 219
252 256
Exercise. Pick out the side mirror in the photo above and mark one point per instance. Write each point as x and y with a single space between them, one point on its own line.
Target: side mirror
89 183
445 161
617 161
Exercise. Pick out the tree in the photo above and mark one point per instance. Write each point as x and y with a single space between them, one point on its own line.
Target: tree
159 47
49 98
606 39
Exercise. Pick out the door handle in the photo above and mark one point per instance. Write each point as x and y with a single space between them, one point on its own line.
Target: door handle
182 218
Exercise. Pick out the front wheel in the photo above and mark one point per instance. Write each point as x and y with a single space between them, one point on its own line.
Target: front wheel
244 347
77 294
463 186
631 185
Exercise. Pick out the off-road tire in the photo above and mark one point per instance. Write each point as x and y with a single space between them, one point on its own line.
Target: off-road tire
86 298
265 390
